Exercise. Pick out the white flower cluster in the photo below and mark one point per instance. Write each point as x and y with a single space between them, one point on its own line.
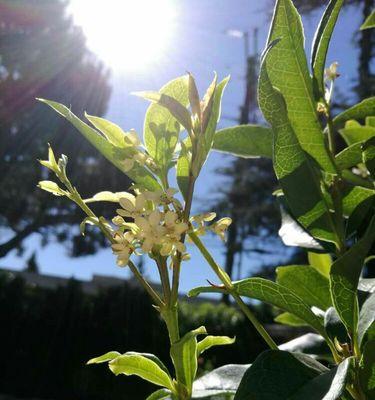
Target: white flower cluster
219 227
137 155
157 227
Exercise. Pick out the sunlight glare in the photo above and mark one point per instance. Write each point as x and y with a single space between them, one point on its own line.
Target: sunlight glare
126 34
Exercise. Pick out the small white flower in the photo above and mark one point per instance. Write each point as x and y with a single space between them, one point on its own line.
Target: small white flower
123 247
132 206
331 72
221 226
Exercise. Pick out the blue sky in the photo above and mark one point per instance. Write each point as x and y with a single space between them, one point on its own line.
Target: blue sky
199 45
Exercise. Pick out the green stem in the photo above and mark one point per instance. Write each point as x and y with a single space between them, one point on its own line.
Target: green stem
177 263
170 317
336 192
229 287
164 277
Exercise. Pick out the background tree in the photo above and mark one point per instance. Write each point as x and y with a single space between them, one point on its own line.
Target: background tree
44 55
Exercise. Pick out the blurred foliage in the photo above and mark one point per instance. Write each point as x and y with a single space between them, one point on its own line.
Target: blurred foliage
42 54
51 330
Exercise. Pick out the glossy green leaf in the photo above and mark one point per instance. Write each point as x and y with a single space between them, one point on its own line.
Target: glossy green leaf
179 112
334 327
367 371
350 156
219 382
207 138
307 283
345 273
310 343
321 262
366 317
116 155
288 72
279 296
369 22
329 385
354 196
355 132
210 341
106 196
289 319
369 156
111 355
297 176
205 289
162 394
278 375
52 187
292 233
184 357
183 167
161 128
357 112
245 141
367 285
321 44
143 366
113 133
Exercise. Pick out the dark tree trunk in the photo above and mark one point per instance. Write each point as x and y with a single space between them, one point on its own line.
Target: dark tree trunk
17 239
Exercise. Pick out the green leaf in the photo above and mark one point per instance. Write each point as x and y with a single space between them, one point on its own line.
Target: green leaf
160 394
279 296
288 72
298 178
310 343
334 327
293 234
354 196
142 366
321 262
219 382
115 155
179 112
111 355
307 283
205 289
106 196
369 156
209 132
366 317
210 341
350 156
359 111
113 133
369 22
367 371
345 273
184 357
289 319
52 187
161 128
245 141
367 285
321 44
184 167
278 375
355 132
330 385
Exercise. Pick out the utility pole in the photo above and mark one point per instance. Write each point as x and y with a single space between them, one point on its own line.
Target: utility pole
247 114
